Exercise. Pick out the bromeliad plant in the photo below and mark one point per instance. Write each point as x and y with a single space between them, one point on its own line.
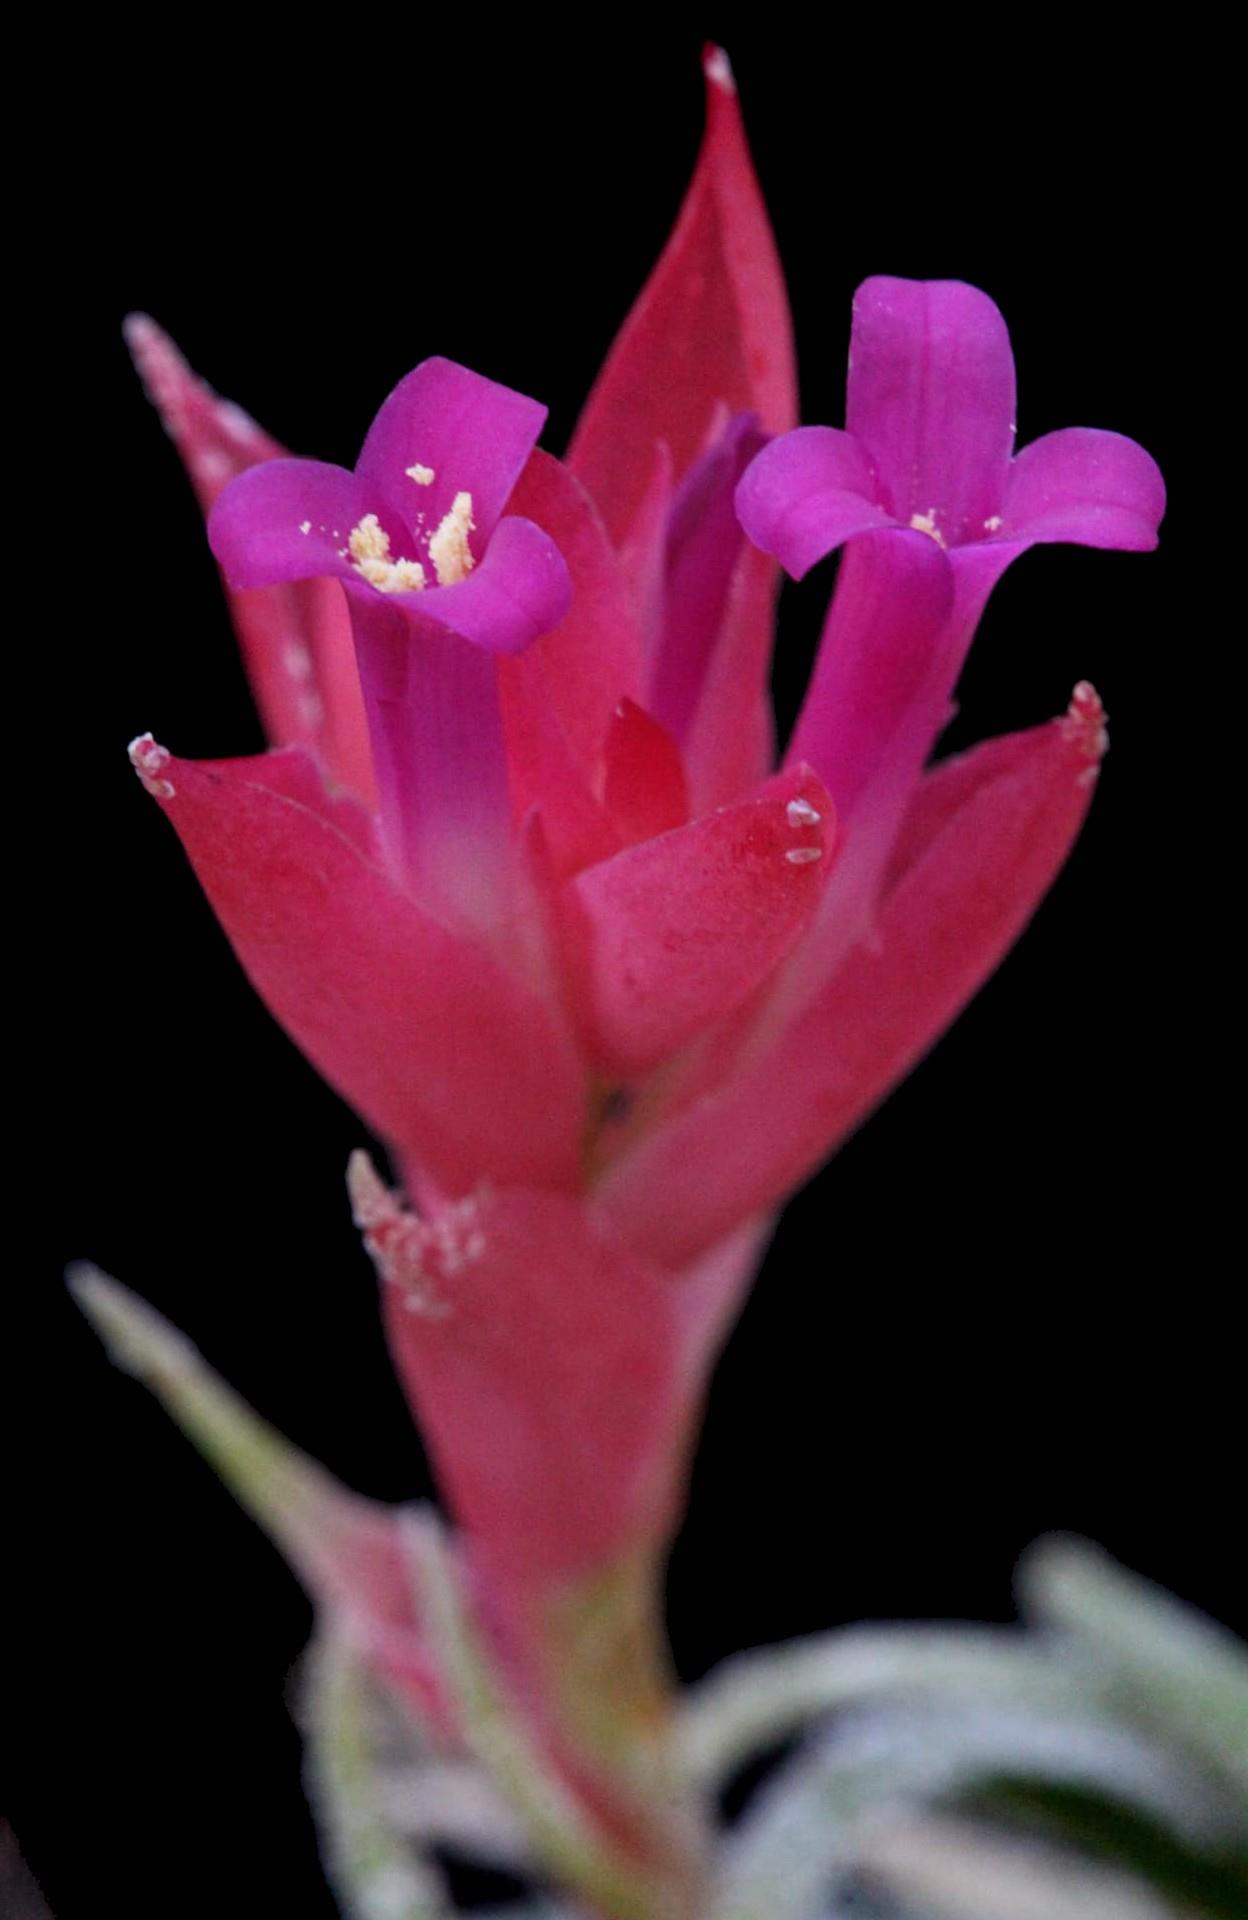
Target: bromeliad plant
520 877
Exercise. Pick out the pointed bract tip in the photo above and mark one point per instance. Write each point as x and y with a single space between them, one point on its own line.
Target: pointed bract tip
1084 724
164 373
718 68
137 1338
149 761
139 331
409 1253
88 1285
371 1199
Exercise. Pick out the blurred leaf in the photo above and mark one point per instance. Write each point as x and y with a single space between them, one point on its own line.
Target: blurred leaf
942 1869
1211 1879
1159 1662
805 1827
375 1872
760 1698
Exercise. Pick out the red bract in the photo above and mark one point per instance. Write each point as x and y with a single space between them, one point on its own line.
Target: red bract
608 985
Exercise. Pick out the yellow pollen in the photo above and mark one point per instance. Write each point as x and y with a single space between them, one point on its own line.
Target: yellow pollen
369 547
423 476
926 523
448 547
369 541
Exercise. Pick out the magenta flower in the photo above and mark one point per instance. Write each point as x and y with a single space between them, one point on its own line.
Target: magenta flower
929 445
923 487
416 538
520 878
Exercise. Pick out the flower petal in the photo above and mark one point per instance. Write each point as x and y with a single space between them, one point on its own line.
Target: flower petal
1081 484
806 493
469 433
674 933
543 1366
295 638
893 595
945 926
444 1053
931 397
440 760
289 520
711 327
877 703
703 543
519 591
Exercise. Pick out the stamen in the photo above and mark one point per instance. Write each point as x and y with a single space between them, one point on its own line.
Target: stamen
369 541
926 523
448 547
369 547
802 856
423 476
800 813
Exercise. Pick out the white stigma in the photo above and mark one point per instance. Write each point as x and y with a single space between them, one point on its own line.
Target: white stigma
423 476
802 856
800 813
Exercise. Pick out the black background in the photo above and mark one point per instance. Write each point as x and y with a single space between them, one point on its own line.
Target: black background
1003 1309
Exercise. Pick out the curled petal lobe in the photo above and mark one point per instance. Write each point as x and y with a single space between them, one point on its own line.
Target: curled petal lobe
289 520
517 591
676 932
948 921
443 1051
1081 484
711 328
931 398
457 432
806 493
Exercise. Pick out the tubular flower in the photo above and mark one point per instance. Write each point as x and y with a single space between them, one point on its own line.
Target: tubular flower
929 445
520 878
